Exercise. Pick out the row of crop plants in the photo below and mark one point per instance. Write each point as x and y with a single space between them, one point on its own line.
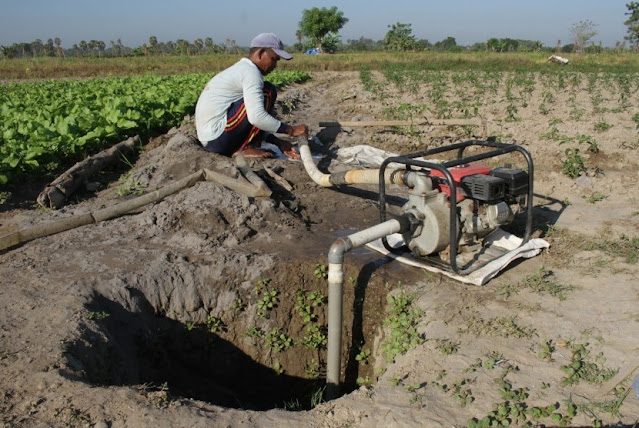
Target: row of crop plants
48 124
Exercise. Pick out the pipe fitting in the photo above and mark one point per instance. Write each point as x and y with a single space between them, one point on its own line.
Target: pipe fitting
335 292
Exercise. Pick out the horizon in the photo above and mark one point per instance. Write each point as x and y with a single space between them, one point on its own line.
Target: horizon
549 22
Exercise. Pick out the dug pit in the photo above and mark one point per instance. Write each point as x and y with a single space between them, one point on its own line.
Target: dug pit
224 298
245 344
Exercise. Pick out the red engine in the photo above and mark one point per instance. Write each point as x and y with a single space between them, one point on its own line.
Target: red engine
482 183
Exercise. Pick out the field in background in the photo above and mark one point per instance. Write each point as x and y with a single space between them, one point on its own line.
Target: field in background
45 68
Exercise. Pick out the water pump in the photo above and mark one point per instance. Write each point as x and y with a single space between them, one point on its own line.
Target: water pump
453 205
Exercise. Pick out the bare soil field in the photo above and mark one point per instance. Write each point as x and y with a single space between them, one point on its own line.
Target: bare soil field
208 308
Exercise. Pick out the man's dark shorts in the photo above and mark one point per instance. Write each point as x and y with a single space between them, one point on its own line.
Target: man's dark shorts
239 132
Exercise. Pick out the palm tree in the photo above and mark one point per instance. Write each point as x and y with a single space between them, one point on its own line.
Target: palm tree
48 48
230 46
101 46
58 47
114 48
36 47
153 43
208 43
199 44
120 47
183 47
83 47
92 46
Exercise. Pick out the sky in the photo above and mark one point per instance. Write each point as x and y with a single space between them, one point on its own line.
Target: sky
468 21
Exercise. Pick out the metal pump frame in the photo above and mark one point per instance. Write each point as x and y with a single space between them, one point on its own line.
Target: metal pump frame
409 160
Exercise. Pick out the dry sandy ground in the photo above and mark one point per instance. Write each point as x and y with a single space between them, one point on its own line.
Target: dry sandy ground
156 318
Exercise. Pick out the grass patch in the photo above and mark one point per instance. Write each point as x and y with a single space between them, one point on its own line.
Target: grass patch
402 321
498 326
541 282
625 247
564 244
612 407
595 197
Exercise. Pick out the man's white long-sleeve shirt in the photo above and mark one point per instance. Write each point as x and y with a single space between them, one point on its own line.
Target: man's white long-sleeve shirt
242 80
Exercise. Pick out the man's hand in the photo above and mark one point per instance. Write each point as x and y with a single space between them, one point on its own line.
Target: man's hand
287 149
296 131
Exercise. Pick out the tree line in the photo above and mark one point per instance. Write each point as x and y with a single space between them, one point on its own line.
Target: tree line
99 49
318 30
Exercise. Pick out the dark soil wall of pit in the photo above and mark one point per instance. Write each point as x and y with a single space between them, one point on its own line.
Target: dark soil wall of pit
229 349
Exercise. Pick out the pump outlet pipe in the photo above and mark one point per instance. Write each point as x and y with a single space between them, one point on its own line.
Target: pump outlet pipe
401 224
356 176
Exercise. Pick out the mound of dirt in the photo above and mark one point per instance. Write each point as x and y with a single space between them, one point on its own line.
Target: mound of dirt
209 307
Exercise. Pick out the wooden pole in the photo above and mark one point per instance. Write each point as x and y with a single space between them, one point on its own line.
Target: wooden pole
431 122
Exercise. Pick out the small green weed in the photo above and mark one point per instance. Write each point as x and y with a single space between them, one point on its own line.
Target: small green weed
312 369
261 285
553 133
215 324
574 163
595 197
447 347
593 147
315 337
98 315
581 368
306 303
493 359
462 393
397 380
364 381
277 367
508 393
577 113
362 357
545 350
268 302
255 333
277 340
511 113
317 397
321 271
602 126
130 185
239 305
402 321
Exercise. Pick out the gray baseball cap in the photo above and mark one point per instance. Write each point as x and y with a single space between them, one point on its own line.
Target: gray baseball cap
270 40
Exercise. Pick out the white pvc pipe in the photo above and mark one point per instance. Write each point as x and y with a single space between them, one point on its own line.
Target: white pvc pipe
335 293
358 176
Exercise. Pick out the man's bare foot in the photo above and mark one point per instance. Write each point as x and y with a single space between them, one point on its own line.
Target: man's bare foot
253 152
